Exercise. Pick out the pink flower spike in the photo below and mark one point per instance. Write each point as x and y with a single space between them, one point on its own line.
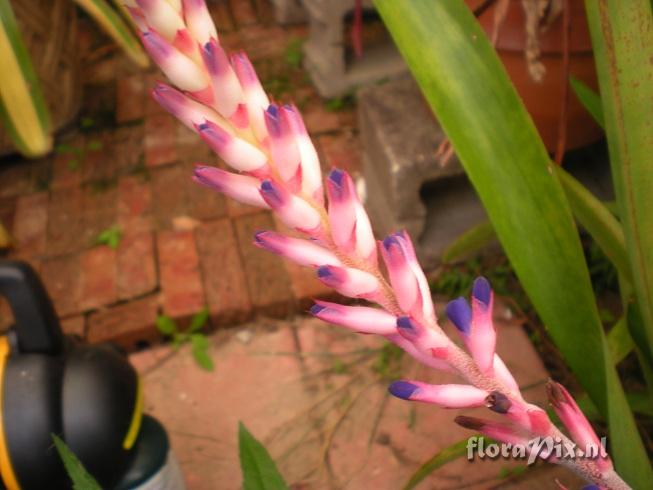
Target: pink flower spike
186 44
293 211
342 209
446 396
181 70
242 188
303 252
309 161
255 98
504 375
236 152
482 340
425 291
402 278
189 112
361 319
282 146
351 282
227 92
572 417
138 17
426 358
199 21
162 17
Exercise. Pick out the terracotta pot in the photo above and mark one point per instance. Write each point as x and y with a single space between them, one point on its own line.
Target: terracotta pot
543 99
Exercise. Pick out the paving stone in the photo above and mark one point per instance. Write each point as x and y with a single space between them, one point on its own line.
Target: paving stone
267 279
181 282
130 98
62 279
74 325
30 223
223 273
160 146
340 151
65 221
243 12
134 204
300 401
129 324
169 194
136 264
98 281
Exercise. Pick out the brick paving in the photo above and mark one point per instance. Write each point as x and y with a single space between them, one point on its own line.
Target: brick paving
128 167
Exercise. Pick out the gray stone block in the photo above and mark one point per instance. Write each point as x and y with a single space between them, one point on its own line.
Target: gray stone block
289 11
325 54
406 186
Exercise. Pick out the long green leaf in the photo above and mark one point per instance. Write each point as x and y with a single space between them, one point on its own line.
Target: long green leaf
498 145
439 459
598 221
622 37
619 340
22 105
79 477
470 241
259 470
115 27
590 100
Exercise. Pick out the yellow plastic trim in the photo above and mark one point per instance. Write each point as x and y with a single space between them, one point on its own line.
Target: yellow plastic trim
137 417
6 469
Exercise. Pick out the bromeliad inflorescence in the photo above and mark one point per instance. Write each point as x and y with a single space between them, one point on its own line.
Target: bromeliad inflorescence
276 167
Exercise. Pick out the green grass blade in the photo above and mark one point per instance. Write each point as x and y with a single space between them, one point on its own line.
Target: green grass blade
79 477
22 105
469 242
468 89
622 37
114 26
590 100
259 470
599 222
438 460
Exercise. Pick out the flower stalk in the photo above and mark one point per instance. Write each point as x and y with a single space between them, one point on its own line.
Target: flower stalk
275 166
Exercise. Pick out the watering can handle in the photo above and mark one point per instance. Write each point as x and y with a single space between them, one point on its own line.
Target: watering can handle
37 328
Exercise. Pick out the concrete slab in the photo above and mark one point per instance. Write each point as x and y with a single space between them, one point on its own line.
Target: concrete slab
316 396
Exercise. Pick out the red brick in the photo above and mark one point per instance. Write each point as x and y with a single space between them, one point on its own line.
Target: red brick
181 283
98 277
160 134
169 193
262 42
66 169
7 212
100 165
30 223
152 107
136 265
243 12
342 151
222 17
127 324
223 273
15 178
65 221
267 279
130 94
61 276
99 212
74 325
317 118
127 147
134 204
190 147
203 203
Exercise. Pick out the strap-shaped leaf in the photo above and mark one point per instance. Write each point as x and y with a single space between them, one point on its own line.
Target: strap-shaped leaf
499 147
22 106
590 100
259 470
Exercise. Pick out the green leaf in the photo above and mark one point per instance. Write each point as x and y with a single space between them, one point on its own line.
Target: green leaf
599 222
590 100
622 38
200 350
79 477
259 470
469 242
619 340
294 53
94 145
166 325
506 161
110 237
438 460
199 341
199 320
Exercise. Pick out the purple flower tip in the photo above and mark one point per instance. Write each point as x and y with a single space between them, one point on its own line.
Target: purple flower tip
498 402
590 487
390 241
258 237
336 176
405 323
460 314
481 290
273 110
203 127
271 194
324 272
317 309
402 389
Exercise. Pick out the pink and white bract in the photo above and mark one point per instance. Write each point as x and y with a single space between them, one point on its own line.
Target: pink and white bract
275 165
